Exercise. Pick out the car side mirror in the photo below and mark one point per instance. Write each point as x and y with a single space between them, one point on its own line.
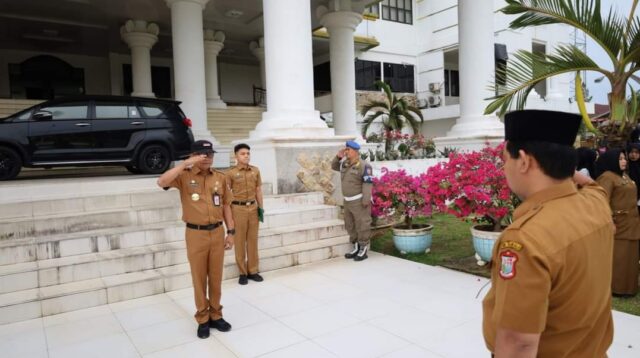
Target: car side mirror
42 116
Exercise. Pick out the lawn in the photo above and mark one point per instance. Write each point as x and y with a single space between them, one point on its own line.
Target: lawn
452 248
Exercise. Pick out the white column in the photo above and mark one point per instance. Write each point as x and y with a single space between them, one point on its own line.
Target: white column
213 44
289 71
257 48
341 25
140 36
476 62
188 62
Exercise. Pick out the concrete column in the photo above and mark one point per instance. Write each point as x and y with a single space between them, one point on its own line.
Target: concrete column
140 36
213 44
188 62
476 62
341 25
289 73
257 48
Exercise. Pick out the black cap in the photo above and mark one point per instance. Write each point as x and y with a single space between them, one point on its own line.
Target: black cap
541 126
202 147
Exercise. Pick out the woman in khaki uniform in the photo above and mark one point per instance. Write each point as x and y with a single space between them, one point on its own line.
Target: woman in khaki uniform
622 199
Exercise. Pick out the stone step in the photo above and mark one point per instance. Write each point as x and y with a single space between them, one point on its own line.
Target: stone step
54 271
38 302
73 222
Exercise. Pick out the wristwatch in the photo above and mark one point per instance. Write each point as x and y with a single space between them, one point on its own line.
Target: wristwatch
231 232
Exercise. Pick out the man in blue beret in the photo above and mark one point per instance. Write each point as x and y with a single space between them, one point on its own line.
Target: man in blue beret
356 180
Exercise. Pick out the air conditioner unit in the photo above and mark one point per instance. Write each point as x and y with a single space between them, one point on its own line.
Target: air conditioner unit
434 87
434 101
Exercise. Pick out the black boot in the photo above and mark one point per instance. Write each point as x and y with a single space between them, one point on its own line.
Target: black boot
362 254
242 279
203 330
255 277
220 324
351 254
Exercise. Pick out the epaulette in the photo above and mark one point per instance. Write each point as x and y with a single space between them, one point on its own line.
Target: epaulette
517 224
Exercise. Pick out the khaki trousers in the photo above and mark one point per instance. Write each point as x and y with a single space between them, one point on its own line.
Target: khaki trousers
205 251
357 220
246 237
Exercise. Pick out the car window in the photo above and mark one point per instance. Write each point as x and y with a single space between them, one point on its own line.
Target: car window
68 111
154 109
115 110
24 116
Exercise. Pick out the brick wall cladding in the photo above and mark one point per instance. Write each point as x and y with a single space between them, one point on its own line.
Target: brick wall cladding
364 97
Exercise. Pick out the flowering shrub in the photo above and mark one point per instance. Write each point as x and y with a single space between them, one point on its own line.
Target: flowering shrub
472 185
400 145
397 194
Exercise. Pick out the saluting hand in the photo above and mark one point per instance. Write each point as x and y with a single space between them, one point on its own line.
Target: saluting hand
228 242
194 159
341 153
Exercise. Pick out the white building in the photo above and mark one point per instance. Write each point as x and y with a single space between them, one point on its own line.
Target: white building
316 56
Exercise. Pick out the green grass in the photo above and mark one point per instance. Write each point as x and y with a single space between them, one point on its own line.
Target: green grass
452 248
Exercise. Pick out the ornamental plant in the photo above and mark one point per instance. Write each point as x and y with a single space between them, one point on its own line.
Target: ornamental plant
472 186
401 196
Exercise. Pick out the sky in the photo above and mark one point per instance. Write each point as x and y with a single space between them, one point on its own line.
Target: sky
599 90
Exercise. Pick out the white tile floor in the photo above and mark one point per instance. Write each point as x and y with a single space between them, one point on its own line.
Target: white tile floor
382 307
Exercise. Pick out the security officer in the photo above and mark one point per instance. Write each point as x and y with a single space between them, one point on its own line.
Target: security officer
246 185
551 274
356 178
206 200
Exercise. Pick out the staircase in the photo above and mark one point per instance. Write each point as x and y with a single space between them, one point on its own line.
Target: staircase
234 122
11 106
78 243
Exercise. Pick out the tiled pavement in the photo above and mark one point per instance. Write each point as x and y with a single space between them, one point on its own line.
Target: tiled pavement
382 307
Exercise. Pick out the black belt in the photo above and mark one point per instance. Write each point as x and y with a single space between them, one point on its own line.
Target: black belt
247 203
204 227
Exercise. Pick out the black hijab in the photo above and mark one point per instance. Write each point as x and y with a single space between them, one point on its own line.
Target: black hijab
609 161
587 159
634 167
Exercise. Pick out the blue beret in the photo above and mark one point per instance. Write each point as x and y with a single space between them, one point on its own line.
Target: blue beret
353 145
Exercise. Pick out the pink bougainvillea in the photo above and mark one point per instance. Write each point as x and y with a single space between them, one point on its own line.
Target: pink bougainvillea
401 195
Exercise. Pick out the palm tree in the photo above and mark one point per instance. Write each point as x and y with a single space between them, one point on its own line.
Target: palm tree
396 114
619 37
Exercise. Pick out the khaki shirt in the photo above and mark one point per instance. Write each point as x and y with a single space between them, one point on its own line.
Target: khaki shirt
203 195
551 273
244 182
622 199
356 178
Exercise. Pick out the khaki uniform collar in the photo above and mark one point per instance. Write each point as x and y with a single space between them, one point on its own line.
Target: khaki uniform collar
554 192
196 171
240 167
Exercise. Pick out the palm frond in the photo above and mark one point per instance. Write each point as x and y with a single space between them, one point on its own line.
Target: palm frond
387 90
368 120
373 105
585 15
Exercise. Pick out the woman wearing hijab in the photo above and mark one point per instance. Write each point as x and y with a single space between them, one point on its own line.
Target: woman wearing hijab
587 161
633 169
622 199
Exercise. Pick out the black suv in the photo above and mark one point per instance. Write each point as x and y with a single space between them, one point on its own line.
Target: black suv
143 134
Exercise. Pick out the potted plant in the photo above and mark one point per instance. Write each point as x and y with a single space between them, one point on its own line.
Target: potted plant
404 197
472 186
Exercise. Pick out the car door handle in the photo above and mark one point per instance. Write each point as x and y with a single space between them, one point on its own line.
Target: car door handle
82 124
136 123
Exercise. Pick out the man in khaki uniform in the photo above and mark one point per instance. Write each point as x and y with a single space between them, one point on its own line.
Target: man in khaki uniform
551 274
246 185
356 179
206 200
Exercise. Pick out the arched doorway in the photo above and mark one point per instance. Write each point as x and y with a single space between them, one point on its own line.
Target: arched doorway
45 77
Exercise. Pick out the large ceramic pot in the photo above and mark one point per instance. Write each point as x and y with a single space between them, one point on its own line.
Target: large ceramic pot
416 240
483 242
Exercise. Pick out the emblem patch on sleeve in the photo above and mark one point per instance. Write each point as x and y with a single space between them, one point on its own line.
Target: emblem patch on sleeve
367 175
508 261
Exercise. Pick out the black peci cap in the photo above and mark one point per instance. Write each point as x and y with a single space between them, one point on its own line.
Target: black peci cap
202 147
541 126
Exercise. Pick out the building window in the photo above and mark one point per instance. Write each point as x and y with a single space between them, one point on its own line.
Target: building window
373 9
398 11
367 73
451 83
399 77
322 77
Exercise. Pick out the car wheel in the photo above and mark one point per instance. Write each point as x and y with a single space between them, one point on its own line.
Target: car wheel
153 159
133 170
10 163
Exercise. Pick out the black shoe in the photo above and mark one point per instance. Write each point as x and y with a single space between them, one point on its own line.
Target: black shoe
351 254
203 330
256 277
362 254
220 324
242 279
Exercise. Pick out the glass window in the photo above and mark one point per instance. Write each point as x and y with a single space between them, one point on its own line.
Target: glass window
367 73
373 9
400 77
398 11
113 110
68 111
451 83
154 109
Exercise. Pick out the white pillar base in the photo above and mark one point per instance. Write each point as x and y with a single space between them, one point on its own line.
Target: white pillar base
291 124
216 103
472 133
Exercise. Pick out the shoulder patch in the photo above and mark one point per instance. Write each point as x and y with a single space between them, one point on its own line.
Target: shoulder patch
508 260
511 245
367 174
